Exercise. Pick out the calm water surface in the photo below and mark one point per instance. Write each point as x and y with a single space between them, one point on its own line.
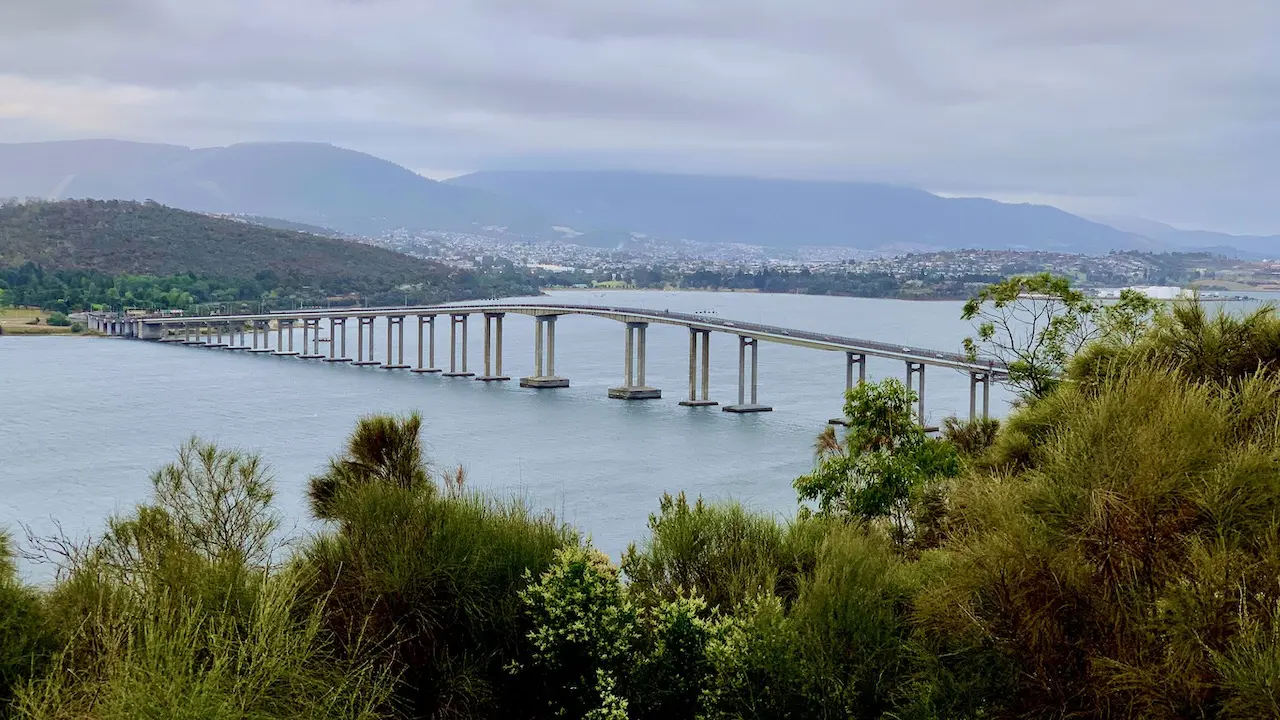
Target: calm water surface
84 421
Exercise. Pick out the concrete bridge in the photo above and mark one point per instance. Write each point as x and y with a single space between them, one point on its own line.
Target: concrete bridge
252 333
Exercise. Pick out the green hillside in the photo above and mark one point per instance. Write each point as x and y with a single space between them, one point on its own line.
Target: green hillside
76 242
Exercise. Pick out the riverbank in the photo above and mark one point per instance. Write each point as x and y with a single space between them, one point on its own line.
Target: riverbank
32 321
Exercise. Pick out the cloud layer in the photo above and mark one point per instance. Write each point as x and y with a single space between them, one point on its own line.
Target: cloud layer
1164 108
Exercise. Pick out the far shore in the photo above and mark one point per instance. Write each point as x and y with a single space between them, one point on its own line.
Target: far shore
752 291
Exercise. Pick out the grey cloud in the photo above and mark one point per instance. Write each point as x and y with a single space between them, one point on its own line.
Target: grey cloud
1166 106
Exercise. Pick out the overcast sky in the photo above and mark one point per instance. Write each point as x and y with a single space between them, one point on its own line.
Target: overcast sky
1164 108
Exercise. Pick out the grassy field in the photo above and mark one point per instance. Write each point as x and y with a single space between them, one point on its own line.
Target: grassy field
18 321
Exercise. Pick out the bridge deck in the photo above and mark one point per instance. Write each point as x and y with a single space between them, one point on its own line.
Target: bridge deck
769 333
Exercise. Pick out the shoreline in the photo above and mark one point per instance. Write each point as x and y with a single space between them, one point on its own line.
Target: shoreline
752 291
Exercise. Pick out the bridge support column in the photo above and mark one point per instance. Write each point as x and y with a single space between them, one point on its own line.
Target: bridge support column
914 370
191 334
263 328
311 326
425 321
544 374
235 337
743 406
634 387
284 328
361 346
976 378
397 323
493 348
694 401
337 341
851 359
454 322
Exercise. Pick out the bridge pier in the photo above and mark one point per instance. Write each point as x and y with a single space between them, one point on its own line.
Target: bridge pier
360 342
311 329
236 338
190 338
431 349
976 378
218 343
283 328
398 323
263 329
915 369
338 334
454 322
544 376
635 387
693 400
851 359
493 348
743 405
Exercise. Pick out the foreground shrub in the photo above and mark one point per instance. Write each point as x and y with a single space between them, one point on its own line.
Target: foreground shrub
670 668
581 632
383 450
883 461
26 640
434 577
175 612
1129 568
720 553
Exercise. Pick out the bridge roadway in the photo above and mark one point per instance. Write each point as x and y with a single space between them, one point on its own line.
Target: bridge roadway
636 321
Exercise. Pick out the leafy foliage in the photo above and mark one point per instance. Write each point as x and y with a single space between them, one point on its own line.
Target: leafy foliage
382 450
1034 324
884 459
582 628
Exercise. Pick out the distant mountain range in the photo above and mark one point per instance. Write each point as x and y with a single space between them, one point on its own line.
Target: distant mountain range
325 186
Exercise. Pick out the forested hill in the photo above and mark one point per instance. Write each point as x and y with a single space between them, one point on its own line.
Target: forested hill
117 237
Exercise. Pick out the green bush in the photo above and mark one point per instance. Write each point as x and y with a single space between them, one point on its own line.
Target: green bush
57 320
759 667
77 327
670 668
1130 567
883 461
26 638
175 612
720 553
433 577
581 633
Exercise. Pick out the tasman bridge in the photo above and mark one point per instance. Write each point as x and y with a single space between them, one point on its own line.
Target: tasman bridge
252 333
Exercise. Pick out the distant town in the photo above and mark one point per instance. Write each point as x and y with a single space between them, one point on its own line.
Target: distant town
645 262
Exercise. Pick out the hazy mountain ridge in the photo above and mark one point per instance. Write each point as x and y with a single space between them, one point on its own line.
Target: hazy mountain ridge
307 183
791 212
354 193
1180 239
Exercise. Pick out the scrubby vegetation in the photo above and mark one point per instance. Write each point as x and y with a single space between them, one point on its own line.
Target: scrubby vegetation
1111 550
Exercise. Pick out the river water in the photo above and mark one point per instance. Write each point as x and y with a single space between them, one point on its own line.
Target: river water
84 421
